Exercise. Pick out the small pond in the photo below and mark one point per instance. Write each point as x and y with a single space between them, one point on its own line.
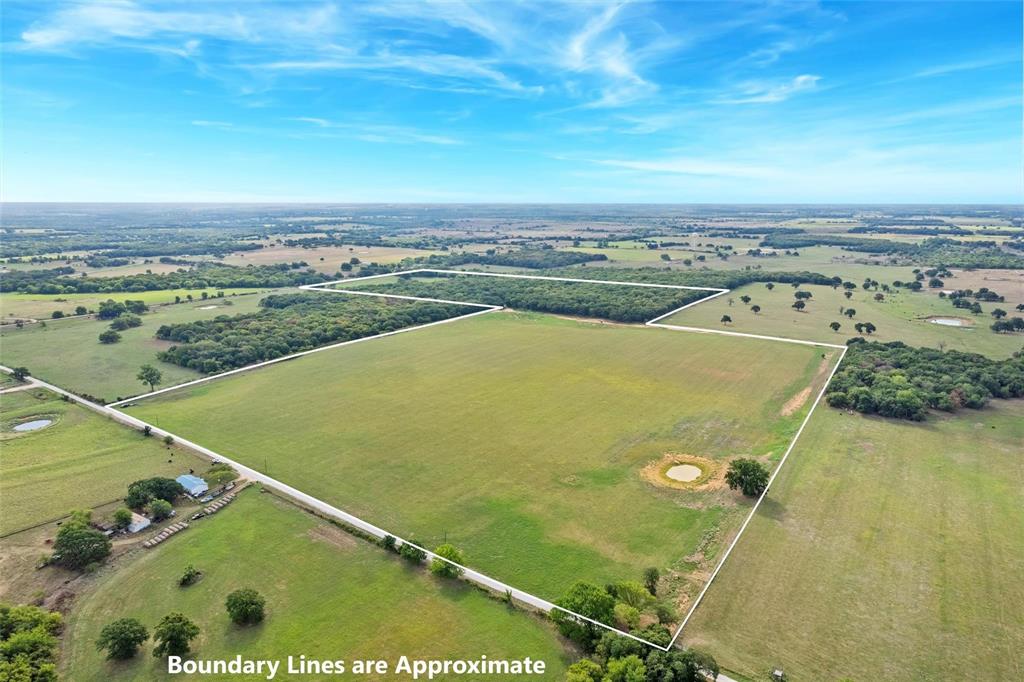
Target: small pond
950 321
33 425
684 473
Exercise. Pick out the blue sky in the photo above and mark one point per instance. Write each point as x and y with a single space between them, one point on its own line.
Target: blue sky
117 100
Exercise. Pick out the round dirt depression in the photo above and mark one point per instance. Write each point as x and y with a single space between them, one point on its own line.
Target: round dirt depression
682 472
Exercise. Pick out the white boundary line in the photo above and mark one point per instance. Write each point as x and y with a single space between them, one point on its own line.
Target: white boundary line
367 527
764 493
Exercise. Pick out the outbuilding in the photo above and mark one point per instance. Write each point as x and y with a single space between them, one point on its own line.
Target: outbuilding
139 522
193 485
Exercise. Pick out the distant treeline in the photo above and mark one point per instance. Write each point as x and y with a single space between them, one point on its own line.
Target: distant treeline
719 279
933 231
622 304
932 251
122 244
902 382
523 258
218 276
291 323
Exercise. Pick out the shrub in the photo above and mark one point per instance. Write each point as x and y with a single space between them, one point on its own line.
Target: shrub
173 635
190 576
246 606
160 509
123 518
747 475
109 336
122 638
443 568
413 554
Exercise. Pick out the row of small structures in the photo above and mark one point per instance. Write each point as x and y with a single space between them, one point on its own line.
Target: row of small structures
182 525
166 533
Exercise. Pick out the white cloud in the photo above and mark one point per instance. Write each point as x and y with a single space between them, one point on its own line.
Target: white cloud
754 92
375 132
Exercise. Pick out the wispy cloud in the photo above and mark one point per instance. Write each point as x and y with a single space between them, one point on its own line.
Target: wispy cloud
970 65
766 93
372 132
201 123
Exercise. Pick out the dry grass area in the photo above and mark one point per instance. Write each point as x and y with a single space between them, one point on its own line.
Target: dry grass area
886 550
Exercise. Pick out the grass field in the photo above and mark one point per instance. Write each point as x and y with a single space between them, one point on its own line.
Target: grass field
885 551
80 461
41 306
332 256
827 260
68 353
519 437
344 599
900 317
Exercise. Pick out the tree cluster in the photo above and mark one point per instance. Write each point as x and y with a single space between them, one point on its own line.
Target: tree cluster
78 545
620 659
290 323
201 276
28 643
902 382
141 493
526 258
937 250
623 304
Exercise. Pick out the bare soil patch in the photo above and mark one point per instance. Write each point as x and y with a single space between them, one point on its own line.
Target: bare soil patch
711 477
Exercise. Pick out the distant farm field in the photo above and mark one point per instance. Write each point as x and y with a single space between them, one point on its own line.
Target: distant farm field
326 259
80 461
41 306
900 316
885 551
827 260
328 595
68 352
521 438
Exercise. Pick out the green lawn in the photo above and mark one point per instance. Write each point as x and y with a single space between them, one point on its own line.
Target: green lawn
520 437
329 596
80 461
898 318
41 306
68 353
885 551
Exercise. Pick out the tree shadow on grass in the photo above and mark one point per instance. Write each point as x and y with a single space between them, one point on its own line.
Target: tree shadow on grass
772 509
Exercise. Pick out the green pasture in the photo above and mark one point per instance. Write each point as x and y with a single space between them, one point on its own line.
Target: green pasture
827 260
41 306
80 461
900 316
68 352
519 437
885 551
329 596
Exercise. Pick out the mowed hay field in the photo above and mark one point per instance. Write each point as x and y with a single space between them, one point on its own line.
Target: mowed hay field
885 551
80 461
68 352
899 317
519 437
329 596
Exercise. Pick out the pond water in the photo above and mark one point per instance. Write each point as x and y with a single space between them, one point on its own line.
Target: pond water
950 321
684 473
33 425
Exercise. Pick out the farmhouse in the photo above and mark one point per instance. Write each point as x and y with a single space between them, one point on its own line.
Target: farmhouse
139 522
193 485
